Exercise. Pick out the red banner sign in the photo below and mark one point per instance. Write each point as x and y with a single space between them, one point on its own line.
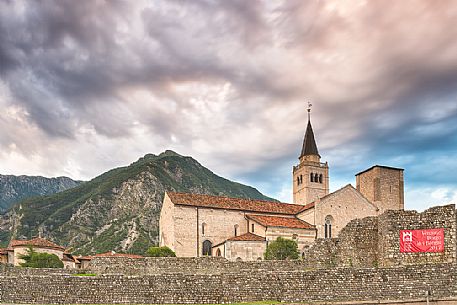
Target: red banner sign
431 240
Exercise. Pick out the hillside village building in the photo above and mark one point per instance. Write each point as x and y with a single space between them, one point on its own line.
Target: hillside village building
17 248
196 225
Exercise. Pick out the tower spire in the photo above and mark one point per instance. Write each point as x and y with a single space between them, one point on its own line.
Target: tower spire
309 144
310 176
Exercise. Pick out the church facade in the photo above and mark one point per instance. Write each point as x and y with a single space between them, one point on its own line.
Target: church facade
196 225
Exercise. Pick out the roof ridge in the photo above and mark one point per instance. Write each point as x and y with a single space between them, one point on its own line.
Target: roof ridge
36 241
280 221
247 234
224 196
233 203
337 191
349 185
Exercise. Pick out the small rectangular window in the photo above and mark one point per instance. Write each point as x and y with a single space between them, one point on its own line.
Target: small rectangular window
252 228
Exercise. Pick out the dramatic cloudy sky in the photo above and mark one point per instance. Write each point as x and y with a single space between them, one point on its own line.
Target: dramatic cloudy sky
86 86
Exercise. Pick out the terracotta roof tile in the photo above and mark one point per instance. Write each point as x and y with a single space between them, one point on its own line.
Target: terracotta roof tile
3 251
219 202
88 258
308 206
36 242
276 221
247 237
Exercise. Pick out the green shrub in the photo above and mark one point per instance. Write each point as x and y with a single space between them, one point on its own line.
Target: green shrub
282 249
33 259
160 252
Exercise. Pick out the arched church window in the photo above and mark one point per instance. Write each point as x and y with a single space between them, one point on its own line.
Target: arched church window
311 177
218 252
252 228
236 229
204 227
298 180
301 179
320 178
328 226
316 178
207 245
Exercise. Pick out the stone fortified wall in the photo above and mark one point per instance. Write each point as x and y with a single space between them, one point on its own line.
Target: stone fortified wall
363 265
186 265
240 282
375 241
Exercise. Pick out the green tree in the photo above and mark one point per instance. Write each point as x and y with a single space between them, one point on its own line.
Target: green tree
282 249
33 259
160 252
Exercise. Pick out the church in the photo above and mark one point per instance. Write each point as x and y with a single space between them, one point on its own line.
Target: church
195 225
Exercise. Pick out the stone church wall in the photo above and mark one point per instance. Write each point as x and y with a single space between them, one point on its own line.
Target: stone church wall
245 250
342 206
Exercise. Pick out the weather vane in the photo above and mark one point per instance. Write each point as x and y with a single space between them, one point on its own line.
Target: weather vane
309 110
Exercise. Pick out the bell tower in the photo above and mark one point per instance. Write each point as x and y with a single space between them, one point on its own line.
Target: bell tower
310 176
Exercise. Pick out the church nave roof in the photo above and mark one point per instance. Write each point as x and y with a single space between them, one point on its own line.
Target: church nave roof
219 202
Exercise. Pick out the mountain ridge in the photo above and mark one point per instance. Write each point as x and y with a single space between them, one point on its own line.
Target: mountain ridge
16 188
119 209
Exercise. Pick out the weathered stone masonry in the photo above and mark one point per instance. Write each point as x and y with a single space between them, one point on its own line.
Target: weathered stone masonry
363 264
375 241
246 284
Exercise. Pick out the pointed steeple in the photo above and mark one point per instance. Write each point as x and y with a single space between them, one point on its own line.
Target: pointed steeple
309 144
309 177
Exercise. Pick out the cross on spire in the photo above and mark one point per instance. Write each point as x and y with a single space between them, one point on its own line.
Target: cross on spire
309 110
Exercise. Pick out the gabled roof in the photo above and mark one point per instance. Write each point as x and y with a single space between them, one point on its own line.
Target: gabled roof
87 258
218 202
36 242
284 222
307 207
309 144
353 189
247 237
346 187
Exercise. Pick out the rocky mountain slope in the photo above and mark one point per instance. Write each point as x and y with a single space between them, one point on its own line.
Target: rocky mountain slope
118 210
17 188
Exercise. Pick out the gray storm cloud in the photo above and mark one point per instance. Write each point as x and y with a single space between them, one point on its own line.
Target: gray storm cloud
89 85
